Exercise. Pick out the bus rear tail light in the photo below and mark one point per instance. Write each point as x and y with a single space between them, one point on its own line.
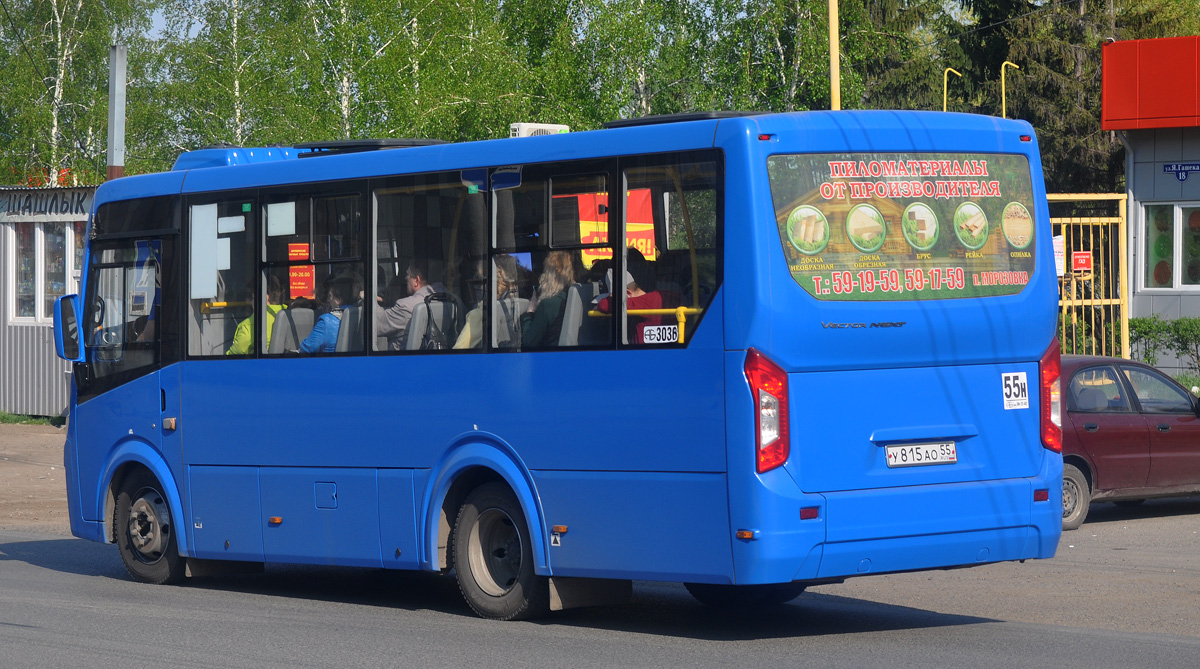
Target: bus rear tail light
769 387
1051 368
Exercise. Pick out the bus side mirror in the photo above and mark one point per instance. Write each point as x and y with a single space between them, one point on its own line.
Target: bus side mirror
66 328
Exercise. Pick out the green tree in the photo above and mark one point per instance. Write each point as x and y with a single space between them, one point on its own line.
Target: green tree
53 112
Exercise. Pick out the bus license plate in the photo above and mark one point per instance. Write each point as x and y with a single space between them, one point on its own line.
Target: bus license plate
916 455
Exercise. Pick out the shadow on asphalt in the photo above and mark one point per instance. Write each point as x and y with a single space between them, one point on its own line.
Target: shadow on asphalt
1108 512
69 556
662 609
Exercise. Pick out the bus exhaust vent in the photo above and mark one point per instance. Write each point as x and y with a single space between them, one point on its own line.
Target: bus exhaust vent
536 129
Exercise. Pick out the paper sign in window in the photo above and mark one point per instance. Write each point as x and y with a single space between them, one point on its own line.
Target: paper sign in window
302 280
203 279
229 224
281 219
223 253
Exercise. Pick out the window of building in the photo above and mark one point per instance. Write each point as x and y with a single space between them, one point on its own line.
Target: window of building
1171 247
46 262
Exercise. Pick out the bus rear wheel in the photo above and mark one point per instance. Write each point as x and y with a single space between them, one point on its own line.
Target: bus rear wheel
493 557
744 596
145 534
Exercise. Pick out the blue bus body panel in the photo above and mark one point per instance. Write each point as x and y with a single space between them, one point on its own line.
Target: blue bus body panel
325 515
224 516
666 526
880 408
397 522
142 185
237 156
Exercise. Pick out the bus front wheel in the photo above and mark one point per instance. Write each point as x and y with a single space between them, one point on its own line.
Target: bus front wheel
744 596
145 534
493 557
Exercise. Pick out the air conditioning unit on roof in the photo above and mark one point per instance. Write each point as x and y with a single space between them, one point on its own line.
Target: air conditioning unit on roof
536 129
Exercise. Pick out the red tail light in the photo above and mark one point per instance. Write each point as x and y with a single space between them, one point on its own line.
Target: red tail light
1051 369
769 388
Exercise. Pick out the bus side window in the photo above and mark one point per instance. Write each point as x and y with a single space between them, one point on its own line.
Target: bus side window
314 285
222 283
551 226
430 237
672 255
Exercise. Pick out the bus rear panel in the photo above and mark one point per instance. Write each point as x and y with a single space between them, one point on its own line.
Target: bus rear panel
907 300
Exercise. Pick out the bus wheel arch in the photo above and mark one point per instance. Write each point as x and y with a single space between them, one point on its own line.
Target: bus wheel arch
462 470
128 459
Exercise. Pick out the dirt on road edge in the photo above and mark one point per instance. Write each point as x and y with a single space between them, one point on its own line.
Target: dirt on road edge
33 493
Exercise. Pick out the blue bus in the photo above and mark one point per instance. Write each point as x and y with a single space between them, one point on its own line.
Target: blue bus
792 349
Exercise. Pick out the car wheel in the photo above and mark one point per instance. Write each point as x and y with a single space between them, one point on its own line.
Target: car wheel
744 596
1076 497
493 557
145 533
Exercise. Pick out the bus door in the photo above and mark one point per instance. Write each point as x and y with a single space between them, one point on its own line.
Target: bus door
125 331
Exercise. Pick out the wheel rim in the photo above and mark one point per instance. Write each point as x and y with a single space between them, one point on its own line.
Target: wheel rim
1070 498
149 526
494 552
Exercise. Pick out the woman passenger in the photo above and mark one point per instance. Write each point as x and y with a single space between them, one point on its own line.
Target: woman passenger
542 323
506 293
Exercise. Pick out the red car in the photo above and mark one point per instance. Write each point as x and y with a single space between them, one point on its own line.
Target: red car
1129 432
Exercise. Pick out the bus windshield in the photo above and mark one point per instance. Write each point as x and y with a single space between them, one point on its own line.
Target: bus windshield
905 226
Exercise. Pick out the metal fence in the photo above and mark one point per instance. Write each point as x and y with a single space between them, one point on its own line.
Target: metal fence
1093 296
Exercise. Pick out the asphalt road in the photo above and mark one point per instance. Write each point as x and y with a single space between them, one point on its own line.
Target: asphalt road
1124 592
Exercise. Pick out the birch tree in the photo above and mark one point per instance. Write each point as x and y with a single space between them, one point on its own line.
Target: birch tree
221 71
54 111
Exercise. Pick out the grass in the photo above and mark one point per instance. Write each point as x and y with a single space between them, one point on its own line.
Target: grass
1188 380
18 419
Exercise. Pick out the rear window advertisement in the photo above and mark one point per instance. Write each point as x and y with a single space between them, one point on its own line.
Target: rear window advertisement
905 226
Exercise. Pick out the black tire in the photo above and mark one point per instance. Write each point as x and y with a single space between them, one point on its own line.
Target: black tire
1076 496
145 533
493 557
1129 503
744 596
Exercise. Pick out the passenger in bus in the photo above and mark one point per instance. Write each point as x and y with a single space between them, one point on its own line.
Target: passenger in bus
641 292
395 290
340 292
541 324
506 299
243 336
392 322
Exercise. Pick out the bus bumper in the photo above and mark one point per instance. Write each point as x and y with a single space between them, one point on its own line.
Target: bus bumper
887 530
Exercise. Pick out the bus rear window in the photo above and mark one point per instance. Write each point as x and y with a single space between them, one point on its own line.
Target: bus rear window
904 226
